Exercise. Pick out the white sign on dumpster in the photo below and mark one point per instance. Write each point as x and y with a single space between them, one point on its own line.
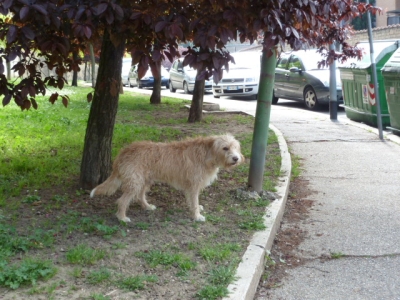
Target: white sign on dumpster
365 93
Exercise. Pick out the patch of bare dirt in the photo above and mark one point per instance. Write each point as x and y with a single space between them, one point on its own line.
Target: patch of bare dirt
65 217
284 253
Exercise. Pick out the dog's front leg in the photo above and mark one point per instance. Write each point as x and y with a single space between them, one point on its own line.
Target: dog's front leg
192 198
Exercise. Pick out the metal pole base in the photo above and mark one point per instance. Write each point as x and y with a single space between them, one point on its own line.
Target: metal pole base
333 110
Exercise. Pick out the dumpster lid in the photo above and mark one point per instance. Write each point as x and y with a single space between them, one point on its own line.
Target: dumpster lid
381 48
393 64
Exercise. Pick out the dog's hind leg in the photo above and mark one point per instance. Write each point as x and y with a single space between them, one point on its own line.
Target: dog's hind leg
143 201
123 204
192 198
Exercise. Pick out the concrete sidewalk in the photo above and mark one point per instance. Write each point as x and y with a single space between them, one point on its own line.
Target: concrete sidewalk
356 211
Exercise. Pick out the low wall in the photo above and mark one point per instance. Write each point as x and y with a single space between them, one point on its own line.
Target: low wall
381 33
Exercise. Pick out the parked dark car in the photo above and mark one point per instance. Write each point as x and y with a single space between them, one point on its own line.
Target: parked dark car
184 78
297 77
147 81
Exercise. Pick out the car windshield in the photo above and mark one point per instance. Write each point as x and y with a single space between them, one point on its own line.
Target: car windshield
189 69
246 60
164 72
310 60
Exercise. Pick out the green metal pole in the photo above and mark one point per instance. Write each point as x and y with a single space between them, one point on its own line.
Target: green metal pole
374 76
261 123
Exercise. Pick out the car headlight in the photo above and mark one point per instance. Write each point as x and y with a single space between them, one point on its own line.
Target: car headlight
250 79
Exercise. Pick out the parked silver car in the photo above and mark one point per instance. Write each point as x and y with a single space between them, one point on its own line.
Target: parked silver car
126 67
297 77
184 78
243 76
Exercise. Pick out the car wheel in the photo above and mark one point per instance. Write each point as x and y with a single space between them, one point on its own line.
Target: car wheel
310 98
216 97
186 88
171 88
274 99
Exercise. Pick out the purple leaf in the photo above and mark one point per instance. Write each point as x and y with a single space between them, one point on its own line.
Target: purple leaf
24 12
6 99
40 8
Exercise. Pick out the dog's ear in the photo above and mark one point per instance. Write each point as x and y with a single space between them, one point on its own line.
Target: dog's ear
212 147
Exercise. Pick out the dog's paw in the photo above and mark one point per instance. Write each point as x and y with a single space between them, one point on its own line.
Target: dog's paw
151 207
201 207
200 218
126 219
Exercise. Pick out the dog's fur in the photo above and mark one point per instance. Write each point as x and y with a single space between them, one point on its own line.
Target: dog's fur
188 165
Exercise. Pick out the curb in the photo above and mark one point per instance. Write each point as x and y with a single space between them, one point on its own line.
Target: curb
251 266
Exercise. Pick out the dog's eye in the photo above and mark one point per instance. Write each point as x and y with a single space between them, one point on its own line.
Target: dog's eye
225 148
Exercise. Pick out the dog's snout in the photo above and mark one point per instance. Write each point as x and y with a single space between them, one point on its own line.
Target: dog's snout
235 158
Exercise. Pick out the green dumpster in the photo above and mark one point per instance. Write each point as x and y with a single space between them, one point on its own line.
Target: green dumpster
391 78
358 87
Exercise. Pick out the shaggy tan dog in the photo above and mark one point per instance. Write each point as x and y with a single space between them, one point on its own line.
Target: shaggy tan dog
188 165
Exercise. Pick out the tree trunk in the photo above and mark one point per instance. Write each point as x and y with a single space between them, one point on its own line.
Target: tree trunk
84 72
156 95
8 64
196 108
93 62
96 160
75 73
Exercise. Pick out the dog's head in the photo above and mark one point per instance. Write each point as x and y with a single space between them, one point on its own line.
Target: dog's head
227 151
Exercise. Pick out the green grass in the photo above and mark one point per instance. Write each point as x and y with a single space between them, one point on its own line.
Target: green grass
12 242
218 279
221 275
133 283
46 290
142 225
218 252
337 255
254 221
211 292
85 255
43 147
296 166
99 276
28 271
157 257
99 297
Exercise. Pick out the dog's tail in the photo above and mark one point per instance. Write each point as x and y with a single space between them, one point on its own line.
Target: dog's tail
108 187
